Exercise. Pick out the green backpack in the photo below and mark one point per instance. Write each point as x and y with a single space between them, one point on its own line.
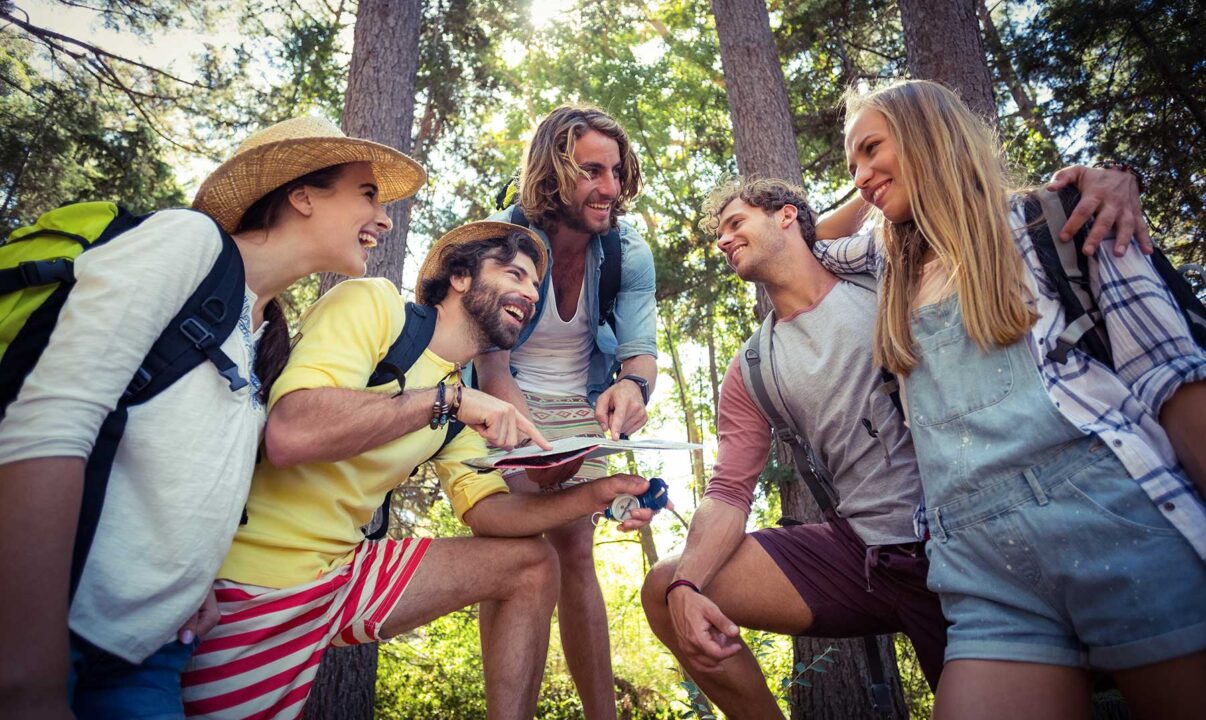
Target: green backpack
36 276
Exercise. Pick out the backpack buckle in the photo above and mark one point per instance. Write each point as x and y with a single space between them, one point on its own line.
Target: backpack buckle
44 272
1059 353
196 332
142 378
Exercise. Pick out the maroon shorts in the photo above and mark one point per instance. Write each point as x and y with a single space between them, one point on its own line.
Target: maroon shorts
853 592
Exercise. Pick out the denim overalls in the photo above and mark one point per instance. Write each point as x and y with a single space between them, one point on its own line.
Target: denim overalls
1043 548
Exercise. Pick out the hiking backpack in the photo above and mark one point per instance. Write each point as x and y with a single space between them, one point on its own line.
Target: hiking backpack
758 377
36 276
402 354
1067 269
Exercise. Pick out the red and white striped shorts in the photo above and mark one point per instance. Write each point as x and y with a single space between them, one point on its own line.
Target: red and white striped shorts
262 657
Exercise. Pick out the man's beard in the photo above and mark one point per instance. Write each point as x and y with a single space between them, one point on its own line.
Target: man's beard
575 219
483 304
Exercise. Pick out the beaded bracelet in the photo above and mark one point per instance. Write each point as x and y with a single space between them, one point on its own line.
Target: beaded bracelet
1124 167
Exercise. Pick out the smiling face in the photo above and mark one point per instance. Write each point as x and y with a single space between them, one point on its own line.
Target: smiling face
753 239
597 191
501 300
347 219
871 152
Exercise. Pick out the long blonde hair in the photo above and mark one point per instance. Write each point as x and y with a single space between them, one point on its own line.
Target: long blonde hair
958 192
549 175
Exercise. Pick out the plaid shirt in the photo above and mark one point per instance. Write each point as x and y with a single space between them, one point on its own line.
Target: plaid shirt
1153 355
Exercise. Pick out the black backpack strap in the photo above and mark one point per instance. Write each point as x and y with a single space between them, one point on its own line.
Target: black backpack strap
1177 280
416 335
197 332
379 525
819 481
609 278
193 336
881 692
1067 269
411 342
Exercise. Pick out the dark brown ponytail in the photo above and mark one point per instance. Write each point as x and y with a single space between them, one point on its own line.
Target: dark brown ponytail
273 350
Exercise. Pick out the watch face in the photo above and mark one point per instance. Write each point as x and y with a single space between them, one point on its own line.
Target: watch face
622 507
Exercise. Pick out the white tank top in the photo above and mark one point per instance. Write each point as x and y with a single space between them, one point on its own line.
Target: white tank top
556 357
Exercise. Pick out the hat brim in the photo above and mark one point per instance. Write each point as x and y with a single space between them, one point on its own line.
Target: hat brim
472 232
248 176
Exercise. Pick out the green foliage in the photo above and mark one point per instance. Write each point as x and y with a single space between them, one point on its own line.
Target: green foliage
67 140
1128 85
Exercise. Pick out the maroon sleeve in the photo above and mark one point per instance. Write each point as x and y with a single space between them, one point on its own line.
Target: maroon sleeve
745 440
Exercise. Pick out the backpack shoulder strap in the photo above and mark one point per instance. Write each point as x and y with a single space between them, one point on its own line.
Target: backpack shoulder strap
758 374
379 525
193 336
609 278
1067 270
197 332
518 217
411 342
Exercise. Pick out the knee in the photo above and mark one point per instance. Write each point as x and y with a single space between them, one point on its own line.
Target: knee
537 569
653 591
575 550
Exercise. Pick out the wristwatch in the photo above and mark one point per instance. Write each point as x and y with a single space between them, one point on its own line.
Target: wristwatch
642 383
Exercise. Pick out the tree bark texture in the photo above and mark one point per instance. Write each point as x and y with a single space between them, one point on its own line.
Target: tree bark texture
942 43
766 146
380 105
345 686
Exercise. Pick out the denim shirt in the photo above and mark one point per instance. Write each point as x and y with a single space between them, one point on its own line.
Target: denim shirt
635 312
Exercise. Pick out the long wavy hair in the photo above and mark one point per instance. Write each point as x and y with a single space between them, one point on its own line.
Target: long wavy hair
549 174
958 188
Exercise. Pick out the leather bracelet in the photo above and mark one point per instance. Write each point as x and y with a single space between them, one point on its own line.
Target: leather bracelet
455 406
1140 180
678 584
439 409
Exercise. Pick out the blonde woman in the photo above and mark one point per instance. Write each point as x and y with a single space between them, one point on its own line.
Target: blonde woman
1064 533
298 197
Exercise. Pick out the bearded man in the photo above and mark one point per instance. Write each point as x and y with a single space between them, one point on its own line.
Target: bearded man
588 362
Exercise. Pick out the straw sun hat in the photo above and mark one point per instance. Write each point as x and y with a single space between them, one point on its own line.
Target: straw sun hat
287 150
472 232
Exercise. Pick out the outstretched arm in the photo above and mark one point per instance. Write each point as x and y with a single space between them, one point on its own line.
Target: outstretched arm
524 514
704 632
332 424
1111 198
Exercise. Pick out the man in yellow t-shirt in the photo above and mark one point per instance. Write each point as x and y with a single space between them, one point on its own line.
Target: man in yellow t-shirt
300 576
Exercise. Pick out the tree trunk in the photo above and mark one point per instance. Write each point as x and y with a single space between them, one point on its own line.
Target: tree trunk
1028 111
689 418
942 43
766 146
379 106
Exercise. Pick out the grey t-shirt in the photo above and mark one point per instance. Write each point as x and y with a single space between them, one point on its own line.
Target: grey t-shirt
827 379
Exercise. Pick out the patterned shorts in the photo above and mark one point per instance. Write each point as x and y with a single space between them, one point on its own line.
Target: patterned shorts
562 416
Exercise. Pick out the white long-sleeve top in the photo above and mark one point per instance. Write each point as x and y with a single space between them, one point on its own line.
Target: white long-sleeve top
183 468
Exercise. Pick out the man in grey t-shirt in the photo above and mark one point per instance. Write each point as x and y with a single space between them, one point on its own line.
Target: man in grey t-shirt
861 573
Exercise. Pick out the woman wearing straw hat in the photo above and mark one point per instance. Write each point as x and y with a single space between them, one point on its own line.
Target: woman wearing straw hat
298 197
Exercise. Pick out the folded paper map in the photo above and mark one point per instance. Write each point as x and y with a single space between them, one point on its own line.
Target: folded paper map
569 449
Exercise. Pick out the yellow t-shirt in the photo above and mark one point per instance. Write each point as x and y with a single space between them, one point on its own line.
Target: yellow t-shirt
304 521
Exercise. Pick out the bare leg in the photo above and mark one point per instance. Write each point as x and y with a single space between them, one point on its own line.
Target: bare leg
752 592
515 581
1002 690
1171 690
582 617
